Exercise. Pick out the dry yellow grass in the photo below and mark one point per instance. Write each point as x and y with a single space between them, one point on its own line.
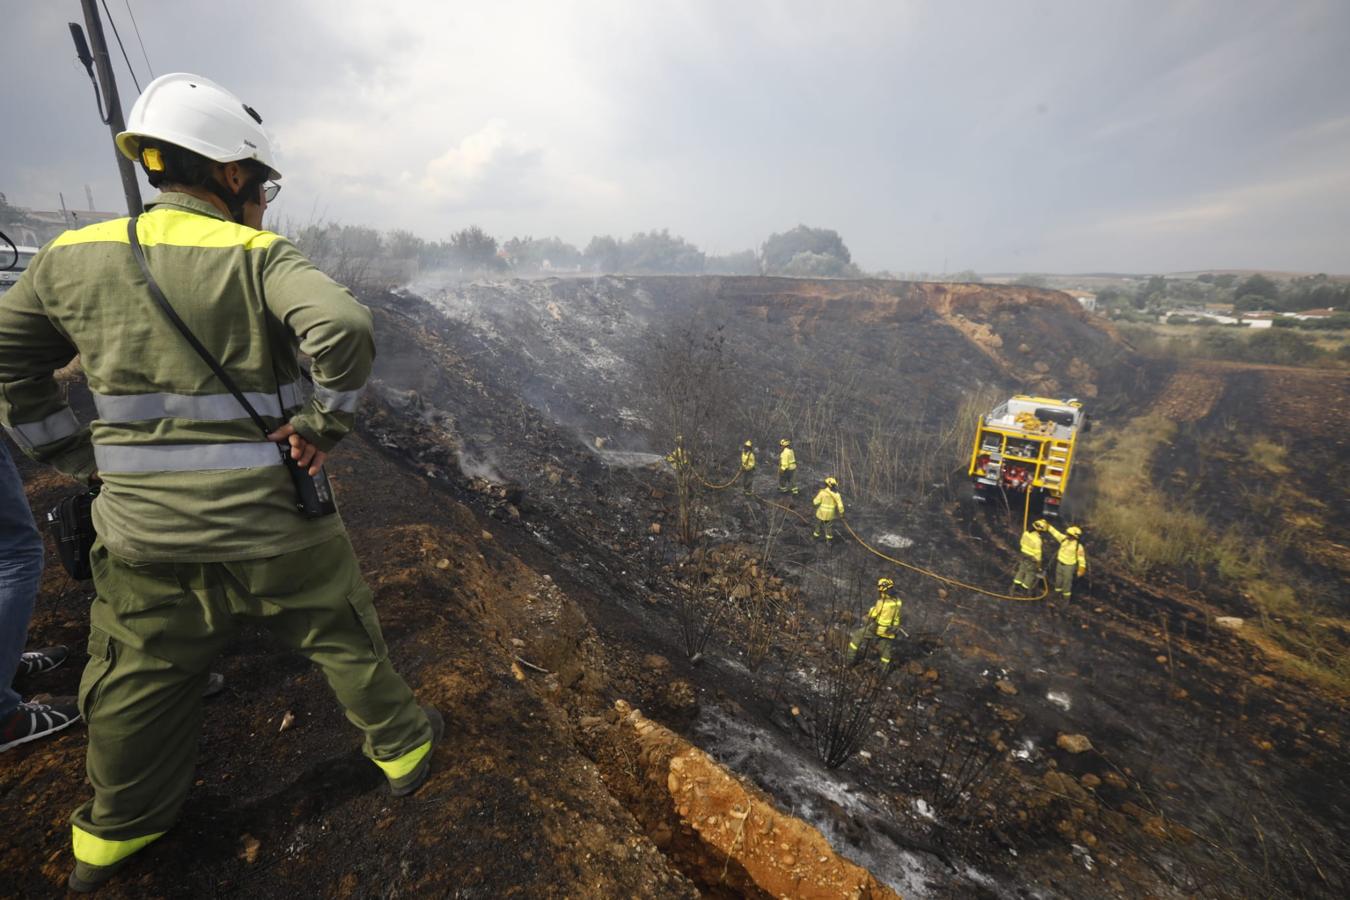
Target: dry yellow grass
1151 533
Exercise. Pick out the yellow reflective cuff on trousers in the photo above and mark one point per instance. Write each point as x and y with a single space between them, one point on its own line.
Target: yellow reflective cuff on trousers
395 769
97 851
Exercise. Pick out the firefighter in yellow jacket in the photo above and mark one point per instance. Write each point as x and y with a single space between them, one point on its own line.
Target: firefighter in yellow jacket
748 468
829 506
1029 565
679 457
883 624
787 468
1071 559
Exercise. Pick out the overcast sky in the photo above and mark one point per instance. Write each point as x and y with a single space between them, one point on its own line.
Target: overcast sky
999 136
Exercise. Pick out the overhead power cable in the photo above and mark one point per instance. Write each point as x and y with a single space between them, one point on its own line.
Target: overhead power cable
113 22
149 68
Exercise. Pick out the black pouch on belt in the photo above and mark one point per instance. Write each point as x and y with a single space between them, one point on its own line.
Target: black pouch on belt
71 523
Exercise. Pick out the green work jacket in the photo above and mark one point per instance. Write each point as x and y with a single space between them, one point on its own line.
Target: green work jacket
186 474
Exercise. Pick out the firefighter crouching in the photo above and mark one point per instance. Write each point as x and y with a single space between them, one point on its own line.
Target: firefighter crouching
882 625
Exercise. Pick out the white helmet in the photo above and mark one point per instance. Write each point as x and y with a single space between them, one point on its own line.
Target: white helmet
199 115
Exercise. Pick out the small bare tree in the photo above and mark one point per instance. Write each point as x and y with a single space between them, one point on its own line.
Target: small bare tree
689 380
852 691
700 604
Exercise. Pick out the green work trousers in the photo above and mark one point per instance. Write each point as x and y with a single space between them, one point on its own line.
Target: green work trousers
825 525
1064 573
786 477
747 481
1028 570
155 629
861 640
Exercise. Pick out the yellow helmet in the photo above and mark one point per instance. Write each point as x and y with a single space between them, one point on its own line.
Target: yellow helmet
885 584
1073 531
679 439
749 444
784 442
831 482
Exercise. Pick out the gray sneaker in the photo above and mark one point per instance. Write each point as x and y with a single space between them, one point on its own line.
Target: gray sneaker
30 721
35 662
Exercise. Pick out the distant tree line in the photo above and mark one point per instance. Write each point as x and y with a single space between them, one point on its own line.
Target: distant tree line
361 256
1158 294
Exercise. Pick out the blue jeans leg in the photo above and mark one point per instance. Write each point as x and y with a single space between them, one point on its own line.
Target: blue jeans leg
20 569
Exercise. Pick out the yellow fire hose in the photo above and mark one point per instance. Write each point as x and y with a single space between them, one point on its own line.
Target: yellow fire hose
1045 592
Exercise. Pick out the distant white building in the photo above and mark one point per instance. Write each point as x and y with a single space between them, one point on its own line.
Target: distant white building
1088 301
1311 315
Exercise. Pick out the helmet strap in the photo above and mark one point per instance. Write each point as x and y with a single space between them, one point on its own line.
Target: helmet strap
235 200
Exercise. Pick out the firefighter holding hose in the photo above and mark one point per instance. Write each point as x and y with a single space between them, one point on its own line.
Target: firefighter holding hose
883 624
1029 565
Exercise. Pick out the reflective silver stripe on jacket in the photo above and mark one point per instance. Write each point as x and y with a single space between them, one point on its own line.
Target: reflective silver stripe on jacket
30 435
337 401
200 407
184 457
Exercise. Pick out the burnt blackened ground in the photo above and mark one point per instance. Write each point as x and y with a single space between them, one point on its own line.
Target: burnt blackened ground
1192 730
511 808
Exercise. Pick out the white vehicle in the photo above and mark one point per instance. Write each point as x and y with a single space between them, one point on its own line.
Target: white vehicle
7 256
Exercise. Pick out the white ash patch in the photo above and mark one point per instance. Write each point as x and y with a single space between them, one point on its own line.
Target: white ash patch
895 541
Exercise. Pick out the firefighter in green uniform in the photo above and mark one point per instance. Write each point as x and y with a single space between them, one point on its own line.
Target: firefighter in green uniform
1071 561
1029 564
787 469
883 623
197 518
748 469
829 506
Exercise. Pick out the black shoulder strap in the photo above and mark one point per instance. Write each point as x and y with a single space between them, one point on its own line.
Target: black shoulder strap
178 323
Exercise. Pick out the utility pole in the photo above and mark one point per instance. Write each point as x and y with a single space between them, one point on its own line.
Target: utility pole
111 103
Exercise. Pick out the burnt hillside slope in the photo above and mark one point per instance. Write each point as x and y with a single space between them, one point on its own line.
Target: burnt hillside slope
507 498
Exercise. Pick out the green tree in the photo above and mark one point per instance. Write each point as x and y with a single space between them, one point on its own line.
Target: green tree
541 255
1259 285
401 244
743 263
780 249
660 252
474 248
818 265
602 254
1032 280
